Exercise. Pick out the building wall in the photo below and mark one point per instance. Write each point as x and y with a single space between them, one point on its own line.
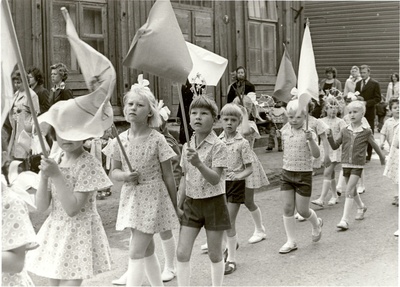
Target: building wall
351 33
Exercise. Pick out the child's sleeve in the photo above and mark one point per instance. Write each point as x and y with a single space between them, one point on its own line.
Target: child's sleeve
17 229
165 152
384 129
321 127
90 175
112 151
219 155
247 153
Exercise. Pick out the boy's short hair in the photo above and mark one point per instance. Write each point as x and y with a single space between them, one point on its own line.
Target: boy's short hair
392 102
357 105
203 102
293 105
232 110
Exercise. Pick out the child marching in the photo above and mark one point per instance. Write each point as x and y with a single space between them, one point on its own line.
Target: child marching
148 195
202 192
239 159
299 146
354 139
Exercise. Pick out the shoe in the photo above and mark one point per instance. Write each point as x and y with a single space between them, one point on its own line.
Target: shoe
280 150
258 236
396 233
360 190
318 202
121 280
268 149
395 200
299 217
167 275
333 201
226 252
361 213
287 247
343 225
230 267
204 247
316 238
338 192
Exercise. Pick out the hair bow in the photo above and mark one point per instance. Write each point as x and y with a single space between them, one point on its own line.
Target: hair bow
142 83
163 111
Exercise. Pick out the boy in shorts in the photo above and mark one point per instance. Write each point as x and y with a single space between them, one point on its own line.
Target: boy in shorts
299 146
239 161
354 140
202 191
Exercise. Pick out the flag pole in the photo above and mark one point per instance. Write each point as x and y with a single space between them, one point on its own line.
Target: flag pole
185 127
21 68
122 148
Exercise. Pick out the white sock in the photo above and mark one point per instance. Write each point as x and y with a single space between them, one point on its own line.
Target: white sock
153 270
290 228
183 273
348 204
358 201
169 247
257 218
135 272
313 219
217 273
232 241
333 188
341 182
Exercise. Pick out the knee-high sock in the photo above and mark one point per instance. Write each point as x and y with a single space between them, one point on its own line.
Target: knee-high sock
183 273
169 247
217 273
153 270
313 219
348 204
135 272
232 241
257 218
333 188
290 228
326 185
341 182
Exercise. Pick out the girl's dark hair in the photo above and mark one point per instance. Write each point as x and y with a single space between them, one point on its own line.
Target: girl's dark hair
396 75
242 68
331 70
37 74
17 75
392 102
61 69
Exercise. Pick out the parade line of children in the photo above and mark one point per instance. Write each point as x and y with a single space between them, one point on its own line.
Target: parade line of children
215 174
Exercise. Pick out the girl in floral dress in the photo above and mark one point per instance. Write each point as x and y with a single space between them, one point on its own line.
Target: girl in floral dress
73 243
148 195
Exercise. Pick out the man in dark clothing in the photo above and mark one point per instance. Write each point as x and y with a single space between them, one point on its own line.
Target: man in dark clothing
241 87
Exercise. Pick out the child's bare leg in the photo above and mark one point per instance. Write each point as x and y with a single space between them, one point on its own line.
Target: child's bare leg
152 266
233 209
187 236
72 282
214 241
259 233
360 184
138 249
341 184
169 249
348 204
326 184
288 200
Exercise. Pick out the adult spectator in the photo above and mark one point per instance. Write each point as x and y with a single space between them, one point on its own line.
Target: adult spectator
241 87
330 81
35 78
393 88
370 92
350 85
59 92
20 117
187 96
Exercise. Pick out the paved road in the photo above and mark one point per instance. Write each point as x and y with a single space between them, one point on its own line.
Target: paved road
366 254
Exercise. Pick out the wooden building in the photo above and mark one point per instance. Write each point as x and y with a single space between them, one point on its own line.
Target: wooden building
248 33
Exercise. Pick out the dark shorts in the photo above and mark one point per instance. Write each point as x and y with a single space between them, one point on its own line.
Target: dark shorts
211 212
299 181
235 191
347 171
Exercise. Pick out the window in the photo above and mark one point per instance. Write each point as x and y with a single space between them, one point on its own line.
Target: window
197 3
262 37
90 23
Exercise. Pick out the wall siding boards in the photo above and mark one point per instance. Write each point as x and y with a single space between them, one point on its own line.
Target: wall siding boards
354 33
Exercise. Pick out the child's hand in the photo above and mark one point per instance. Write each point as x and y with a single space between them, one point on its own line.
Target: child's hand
179 212
381 146
328 132
193 157
49 167
327 161
308 134
232 176
132 177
